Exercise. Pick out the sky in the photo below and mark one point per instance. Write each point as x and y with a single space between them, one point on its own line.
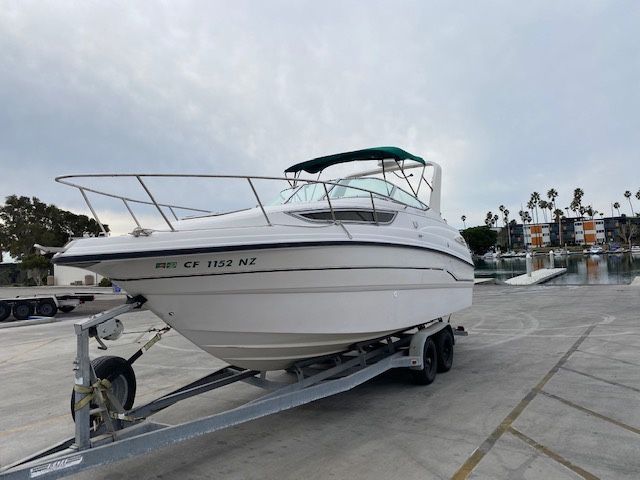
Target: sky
509 97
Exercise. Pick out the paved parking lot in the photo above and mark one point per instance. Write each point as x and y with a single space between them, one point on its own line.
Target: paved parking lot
545 386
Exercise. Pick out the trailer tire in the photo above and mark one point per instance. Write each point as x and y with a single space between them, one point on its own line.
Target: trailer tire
66 308
430 364
22 310
5 311
123 380
444 346
47 308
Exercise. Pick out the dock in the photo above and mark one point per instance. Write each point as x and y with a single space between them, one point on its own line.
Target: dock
536 277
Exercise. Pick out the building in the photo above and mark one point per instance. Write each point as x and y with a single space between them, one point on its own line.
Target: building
589 232
64 275
537 235
574 231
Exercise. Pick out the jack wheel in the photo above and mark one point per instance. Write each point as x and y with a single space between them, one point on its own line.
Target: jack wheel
430 361
47 308
22 310
444 346
123 381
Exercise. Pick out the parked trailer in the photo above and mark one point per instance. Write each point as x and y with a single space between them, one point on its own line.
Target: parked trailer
108 429
23 307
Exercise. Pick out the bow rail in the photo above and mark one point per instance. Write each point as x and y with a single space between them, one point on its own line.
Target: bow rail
295 186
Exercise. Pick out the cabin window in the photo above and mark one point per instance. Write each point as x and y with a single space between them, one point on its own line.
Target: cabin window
363 216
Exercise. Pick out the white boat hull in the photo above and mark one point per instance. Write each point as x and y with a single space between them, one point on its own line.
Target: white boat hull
265 309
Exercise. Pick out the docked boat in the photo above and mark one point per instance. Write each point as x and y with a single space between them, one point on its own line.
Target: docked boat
329 264
595 250
635 249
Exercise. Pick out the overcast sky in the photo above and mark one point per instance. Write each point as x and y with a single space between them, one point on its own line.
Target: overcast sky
510 97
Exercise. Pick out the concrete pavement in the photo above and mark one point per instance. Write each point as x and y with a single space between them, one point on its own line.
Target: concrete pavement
546 385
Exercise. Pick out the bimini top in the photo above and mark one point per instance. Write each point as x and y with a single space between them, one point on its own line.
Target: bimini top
379 153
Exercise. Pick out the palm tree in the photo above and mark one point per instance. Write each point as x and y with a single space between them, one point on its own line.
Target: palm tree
535 198
552 194
576 203
559 213
464 218
495 220
627 195
488 219
543 205
505 216
616 205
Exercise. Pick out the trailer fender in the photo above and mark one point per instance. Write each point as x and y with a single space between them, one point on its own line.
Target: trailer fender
418 340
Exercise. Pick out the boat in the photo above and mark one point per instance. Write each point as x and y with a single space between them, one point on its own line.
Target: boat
595 250
491 256
329 264
635 249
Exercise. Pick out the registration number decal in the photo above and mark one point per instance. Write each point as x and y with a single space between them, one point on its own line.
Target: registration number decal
240 262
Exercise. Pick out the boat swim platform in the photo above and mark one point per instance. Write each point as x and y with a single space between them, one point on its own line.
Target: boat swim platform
537 277
545 386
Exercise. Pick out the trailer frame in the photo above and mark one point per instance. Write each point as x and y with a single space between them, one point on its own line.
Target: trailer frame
127 434
32 303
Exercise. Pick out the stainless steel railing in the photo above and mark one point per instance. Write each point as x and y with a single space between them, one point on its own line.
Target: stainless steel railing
159 206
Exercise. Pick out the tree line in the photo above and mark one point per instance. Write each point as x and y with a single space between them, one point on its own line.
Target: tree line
25 221
538 206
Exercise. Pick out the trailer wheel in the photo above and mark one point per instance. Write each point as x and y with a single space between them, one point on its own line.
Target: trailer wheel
123 380
5 311
22 310
66 308
430 361
444 347
47 308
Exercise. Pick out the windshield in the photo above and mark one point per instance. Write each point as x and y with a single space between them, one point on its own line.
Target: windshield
313 192
375 185
310 192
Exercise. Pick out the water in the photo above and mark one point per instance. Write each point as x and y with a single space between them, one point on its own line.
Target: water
614 269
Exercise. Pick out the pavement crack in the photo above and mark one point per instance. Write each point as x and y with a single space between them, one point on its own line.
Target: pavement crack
610 358
472 462
553 455
592 412
600 379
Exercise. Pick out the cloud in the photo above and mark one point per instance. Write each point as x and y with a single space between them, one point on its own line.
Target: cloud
509 97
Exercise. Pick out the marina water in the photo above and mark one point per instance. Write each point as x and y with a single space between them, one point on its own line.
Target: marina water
610 269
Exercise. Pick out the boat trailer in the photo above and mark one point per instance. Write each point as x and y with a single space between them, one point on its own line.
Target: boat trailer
108 431
25 306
